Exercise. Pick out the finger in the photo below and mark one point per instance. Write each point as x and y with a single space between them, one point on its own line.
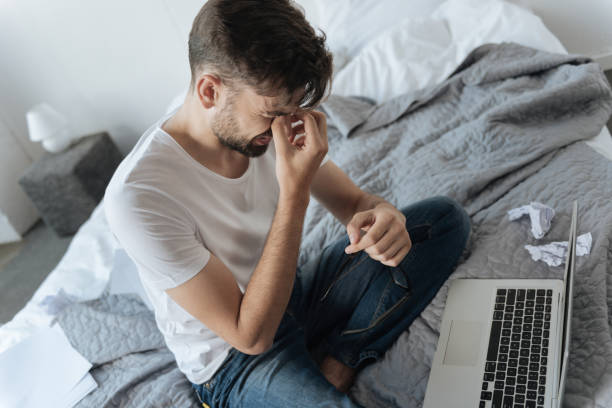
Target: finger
310 124
390 253
370 238
320 118
399 257
358 222
299 141
298 129
311 129
322 123
382 247
280 133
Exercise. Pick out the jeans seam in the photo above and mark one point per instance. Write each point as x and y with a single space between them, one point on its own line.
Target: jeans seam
212 381
381 301
342 273
401 285
380 318
198 395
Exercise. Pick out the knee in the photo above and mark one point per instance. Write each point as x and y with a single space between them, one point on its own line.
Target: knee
455 215
448 213
443 211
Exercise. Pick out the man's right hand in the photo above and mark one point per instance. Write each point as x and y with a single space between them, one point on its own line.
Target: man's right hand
297 161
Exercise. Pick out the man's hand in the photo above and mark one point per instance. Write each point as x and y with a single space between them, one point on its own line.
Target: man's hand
297 161
386 238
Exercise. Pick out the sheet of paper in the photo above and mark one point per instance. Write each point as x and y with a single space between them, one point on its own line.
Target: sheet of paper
84 387
42 365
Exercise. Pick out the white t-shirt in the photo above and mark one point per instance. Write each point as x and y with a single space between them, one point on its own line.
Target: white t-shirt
169 212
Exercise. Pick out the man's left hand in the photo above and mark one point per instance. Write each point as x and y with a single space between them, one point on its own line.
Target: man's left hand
386 238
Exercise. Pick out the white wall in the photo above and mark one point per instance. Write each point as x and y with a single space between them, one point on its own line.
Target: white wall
107 65
583 26
17 213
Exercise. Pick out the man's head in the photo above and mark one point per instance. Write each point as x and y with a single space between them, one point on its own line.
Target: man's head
252 60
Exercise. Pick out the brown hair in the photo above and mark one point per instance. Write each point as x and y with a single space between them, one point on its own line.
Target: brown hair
266 44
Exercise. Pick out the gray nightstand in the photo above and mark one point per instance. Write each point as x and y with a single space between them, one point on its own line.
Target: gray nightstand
65 187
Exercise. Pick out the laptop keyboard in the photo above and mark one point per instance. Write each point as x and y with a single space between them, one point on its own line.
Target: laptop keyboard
517 357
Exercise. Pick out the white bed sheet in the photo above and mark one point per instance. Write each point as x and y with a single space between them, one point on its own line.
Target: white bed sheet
602 143
83 273
85 269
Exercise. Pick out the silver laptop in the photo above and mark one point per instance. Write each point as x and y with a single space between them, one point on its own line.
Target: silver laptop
504 343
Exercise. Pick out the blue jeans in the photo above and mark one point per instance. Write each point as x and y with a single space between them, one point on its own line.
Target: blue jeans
349 306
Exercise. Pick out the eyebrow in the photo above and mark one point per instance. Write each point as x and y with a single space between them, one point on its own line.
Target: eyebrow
277 113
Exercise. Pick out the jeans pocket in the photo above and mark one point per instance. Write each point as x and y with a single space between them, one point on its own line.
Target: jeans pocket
199 392
343 270
419 233
396 292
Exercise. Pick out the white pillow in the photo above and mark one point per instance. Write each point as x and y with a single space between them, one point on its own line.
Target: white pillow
350 24
420 52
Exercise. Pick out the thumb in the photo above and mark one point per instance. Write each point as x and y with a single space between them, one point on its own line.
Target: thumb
360 220
280 133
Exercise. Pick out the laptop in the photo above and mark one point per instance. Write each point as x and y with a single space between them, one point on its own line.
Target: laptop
504 343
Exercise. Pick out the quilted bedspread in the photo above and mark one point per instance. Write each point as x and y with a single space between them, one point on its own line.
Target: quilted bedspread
505 129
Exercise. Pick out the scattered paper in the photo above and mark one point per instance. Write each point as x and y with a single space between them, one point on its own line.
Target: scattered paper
554 254
541 216
41 368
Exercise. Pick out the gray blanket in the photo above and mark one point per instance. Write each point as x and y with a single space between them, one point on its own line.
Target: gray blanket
505 129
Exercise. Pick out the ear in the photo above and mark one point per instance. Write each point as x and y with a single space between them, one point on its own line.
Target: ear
208 90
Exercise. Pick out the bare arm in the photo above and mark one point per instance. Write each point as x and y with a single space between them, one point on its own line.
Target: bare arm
270 287
369 201
249 322
336 191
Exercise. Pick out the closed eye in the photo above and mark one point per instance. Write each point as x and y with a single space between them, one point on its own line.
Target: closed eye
277 113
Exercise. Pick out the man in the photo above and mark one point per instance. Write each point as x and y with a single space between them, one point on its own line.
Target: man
212 216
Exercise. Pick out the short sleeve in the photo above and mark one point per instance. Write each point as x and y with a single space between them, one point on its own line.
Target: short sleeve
156 233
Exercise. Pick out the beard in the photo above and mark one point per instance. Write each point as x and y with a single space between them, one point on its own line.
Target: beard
225 127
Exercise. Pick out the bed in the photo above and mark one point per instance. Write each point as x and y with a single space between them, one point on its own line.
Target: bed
397 86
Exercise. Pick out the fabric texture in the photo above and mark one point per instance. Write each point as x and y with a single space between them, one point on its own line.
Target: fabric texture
117 333
505 129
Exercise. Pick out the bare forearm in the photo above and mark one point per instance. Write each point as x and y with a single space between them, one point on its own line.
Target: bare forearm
269 289
366 202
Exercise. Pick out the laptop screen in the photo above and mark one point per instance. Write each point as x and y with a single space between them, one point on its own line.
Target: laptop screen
568 296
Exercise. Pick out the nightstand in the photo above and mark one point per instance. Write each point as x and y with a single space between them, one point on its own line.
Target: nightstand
66 187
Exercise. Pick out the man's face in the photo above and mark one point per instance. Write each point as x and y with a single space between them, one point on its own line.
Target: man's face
243 122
